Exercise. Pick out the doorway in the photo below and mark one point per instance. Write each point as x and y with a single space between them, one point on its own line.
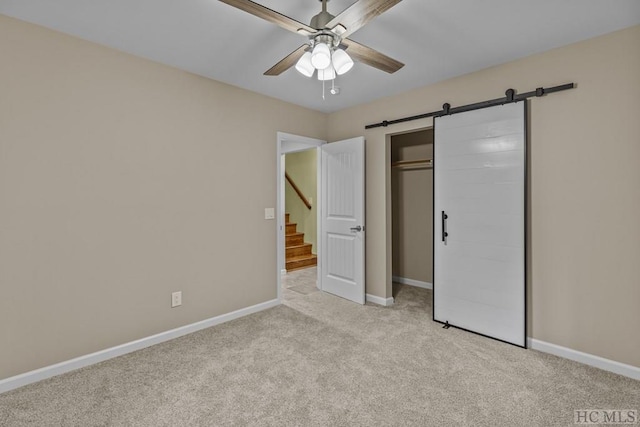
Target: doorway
340 214
288 144
412 217
301 213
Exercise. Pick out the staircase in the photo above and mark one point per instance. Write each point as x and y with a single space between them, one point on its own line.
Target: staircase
298 253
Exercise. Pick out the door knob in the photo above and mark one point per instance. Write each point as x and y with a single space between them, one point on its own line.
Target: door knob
357 228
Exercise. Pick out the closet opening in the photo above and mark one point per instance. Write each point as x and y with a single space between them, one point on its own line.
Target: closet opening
412 218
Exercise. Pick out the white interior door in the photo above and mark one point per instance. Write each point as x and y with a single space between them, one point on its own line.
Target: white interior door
479 221
342 219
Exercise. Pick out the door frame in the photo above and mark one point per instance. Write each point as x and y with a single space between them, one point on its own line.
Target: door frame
290 143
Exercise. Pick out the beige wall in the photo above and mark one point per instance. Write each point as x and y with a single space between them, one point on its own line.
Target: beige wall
584 232
122 180
302 167
412 207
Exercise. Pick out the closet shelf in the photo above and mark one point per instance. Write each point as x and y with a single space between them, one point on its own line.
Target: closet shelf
414 164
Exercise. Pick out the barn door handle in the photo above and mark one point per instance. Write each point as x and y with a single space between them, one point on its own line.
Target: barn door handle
444 227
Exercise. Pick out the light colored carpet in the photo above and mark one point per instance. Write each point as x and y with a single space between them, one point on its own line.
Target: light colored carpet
319 360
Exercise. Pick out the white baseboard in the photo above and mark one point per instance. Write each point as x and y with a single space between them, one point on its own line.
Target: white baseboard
100 356
17 381
586 358
411 282
379 300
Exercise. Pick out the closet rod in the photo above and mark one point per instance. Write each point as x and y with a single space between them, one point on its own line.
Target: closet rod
510 97
426 163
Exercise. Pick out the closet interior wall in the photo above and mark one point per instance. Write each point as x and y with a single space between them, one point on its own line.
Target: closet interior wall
412 207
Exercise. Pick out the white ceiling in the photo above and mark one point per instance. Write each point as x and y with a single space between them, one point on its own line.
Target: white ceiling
435 39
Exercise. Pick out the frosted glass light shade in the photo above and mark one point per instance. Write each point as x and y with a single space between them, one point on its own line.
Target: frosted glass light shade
321 56
327 74
342 62
304 65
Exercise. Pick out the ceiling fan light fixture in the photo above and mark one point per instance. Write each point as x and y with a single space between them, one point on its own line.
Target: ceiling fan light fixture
341 61
321 56
304 65
327 74
327 36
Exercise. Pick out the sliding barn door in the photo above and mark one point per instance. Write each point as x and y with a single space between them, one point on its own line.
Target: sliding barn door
479 221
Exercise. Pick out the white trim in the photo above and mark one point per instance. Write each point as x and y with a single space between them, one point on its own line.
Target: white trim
411 282
109 353
379 300
319 209
586 358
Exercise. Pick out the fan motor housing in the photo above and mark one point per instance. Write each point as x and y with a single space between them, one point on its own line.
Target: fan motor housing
321 20
327 37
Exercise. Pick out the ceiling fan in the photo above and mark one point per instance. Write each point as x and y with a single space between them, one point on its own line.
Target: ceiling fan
328 43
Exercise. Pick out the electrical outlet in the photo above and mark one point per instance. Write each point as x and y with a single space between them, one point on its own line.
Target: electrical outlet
176 299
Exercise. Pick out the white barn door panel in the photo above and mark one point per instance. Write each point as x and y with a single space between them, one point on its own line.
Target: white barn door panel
342 219
479 221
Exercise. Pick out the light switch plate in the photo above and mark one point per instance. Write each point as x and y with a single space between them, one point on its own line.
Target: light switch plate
269 213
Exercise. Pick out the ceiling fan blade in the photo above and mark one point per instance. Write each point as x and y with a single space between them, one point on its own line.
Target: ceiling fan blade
372 57
287 62
270 15
360 13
